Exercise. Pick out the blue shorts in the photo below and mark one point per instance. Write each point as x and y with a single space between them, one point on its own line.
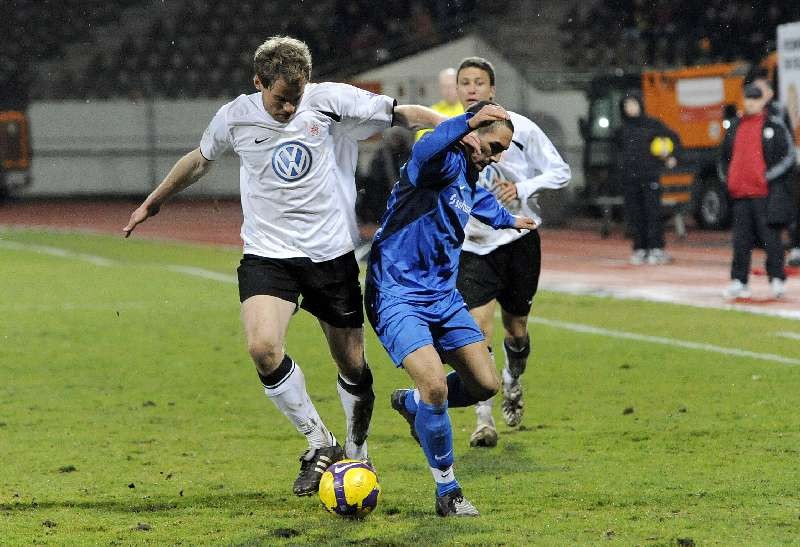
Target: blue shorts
403 326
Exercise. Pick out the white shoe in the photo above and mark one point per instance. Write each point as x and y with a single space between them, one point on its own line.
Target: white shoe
794 257
658 257
484 435
638 257
778 287
735 290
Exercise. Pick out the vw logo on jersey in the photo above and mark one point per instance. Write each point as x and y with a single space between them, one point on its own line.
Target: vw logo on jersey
291 160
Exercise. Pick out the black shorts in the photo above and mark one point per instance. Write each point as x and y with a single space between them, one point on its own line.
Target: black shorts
330 290
509 274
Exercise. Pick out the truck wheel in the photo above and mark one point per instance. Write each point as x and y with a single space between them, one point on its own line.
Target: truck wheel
711 205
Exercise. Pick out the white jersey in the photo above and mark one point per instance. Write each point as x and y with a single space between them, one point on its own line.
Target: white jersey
297 179
533 164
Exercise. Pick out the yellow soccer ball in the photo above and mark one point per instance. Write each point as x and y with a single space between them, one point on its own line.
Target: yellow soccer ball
662 147
349 488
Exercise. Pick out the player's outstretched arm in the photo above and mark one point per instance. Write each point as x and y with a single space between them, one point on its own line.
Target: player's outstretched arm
183 174
488 210
414 117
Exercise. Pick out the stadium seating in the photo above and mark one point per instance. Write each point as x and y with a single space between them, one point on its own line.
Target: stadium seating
202 48
636 33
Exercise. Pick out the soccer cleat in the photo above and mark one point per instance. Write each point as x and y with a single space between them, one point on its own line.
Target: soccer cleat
484 435
453 504
638 257
794 257
512 403
735 290
778 287
658 257
313 464
399 404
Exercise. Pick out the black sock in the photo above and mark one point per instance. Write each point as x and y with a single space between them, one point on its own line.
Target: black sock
364 384
277 376
457 395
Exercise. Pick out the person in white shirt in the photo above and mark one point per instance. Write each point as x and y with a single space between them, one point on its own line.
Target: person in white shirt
503 266
297 144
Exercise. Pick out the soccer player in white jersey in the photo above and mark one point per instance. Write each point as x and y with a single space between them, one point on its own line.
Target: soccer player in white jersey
503 265
297 142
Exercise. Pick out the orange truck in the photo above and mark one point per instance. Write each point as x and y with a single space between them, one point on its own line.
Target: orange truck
15 151
695 102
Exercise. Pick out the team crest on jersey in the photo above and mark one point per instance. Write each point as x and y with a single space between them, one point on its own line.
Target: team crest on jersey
291 160
313 129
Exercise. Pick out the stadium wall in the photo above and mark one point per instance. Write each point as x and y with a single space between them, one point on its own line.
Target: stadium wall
120 147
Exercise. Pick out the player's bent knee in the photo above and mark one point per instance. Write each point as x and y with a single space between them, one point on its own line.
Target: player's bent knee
266 355
435 393
487 390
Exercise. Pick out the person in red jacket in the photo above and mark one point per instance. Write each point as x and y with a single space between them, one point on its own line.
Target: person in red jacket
756 162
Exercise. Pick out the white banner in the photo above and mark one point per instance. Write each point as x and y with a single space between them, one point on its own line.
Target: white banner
789 72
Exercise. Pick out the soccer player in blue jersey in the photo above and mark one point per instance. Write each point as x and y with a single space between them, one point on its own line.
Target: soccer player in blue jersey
411 296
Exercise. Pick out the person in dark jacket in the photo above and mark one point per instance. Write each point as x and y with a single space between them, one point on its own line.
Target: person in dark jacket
376 185
760 78
645 146
756 161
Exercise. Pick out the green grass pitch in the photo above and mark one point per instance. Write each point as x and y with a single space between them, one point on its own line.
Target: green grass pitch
130 414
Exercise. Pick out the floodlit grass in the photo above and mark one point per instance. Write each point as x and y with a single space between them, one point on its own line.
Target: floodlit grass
130 413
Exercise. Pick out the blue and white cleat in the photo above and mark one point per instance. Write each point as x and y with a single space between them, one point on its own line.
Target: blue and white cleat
453 504
399 404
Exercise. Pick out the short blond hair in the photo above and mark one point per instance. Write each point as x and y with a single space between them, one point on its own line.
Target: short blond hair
282 56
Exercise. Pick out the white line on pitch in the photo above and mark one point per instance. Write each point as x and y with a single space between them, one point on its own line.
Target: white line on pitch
790 335
588 329
57 251
202 272
664 294
103 261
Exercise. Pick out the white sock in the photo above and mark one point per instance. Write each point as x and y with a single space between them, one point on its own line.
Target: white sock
443 476
508 378
483 409
291 398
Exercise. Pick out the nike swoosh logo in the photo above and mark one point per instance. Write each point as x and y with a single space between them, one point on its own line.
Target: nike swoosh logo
440 458
340 468
461 187
262 140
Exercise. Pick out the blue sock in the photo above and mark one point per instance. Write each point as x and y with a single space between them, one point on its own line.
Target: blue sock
457 395
436 437
410 402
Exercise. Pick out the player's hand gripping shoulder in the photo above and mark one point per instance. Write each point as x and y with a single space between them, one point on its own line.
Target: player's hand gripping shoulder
524 223
506 191
486 115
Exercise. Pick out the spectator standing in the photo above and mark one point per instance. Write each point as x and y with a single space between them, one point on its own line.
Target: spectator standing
449 106
645 146
756 162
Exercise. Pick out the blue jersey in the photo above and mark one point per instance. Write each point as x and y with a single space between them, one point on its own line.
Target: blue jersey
416 250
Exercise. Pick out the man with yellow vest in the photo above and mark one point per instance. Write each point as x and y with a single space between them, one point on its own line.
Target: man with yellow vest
449 106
